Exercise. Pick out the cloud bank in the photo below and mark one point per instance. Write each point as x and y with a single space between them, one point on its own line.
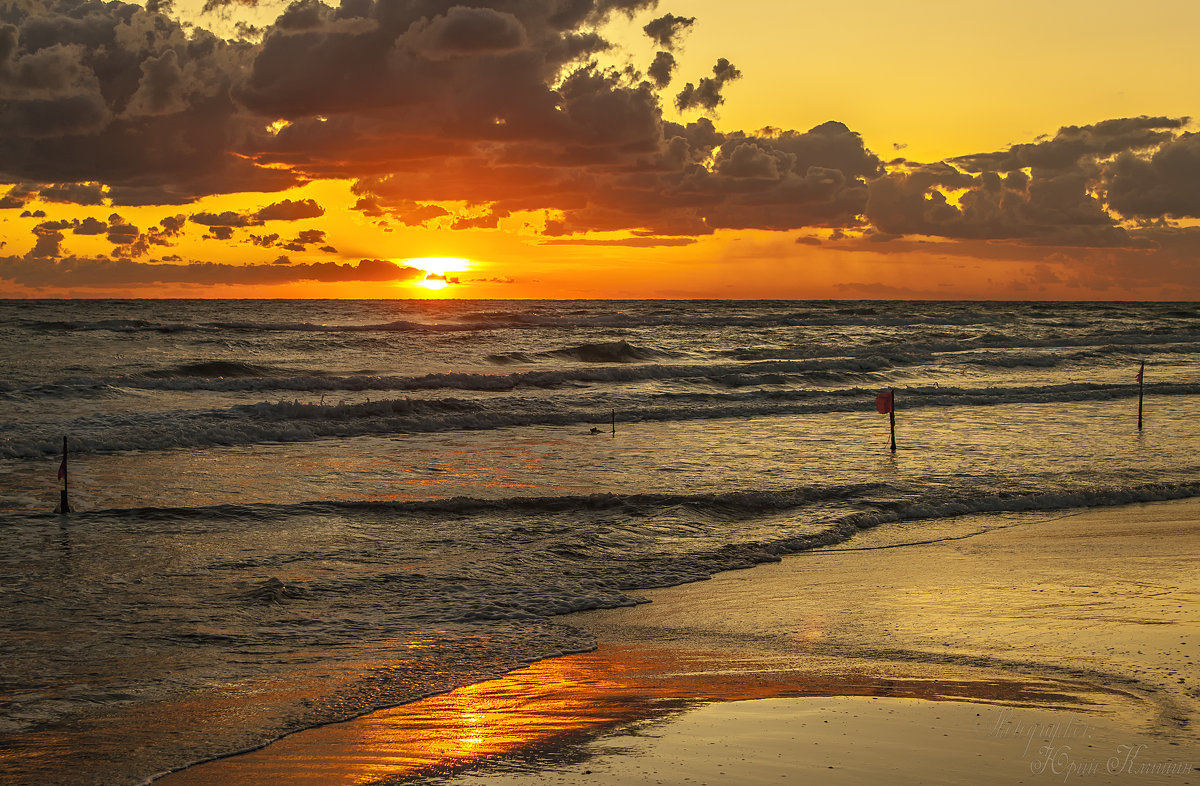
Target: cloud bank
102 272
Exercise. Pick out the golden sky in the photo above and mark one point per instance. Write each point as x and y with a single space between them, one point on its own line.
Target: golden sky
599 148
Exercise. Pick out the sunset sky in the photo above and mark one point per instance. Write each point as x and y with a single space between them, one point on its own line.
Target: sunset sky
600 148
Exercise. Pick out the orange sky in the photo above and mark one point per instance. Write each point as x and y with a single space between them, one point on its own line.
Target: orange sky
613 148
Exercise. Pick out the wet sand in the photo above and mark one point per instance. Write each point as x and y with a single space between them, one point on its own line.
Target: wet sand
1060 648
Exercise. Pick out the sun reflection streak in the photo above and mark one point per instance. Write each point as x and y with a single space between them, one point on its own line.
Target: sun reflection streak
551 703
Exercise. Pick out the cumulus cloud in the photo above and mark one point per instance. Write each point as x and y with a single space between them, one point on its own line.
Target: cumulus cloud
489 220
287 210
707 94
172 225
48 243
1167 183
290 210
1073 144
121 233
227 218
464 31
19 194
661 69
310 236
120 95
77 193
424 104
1078 187
666 30
89 226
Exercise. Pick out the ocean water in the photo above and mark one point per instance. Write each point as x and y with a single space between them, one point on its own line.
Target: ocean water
289 513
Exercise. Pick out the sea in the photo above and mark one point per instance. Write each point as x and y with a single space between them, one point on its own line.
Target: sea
288 513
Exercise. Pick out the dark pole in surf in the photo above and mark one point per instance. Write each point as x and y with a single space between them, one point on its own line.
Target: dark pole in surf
63 505
885 404
892 416
1141 371
614 421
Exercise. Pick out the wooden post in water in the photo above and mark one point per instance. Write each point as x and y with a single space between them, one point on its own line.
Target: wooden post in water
614 423
1141 371
892 416
64 506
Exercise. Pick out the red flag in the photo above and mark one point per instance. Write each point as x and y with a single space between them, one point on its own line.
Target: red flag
62 468
884 402
1140 370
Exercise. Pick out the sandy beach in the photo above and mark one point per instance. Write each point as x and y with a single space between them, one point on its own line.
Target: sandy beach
1017 649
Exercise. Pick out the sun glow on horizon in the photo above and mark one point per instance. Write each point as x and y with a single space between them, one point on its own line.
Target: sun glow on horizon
438 265
438 271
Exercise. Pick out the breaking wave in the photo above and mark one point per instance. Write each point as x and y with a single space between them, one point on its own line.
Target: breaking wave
299 421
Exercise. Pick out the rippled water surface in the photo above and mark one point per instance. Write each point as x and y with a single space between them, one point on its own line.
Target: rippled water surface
289 513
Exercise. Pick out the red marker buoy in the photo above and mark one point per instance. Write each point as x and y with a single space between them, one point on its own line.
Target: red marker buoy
885 403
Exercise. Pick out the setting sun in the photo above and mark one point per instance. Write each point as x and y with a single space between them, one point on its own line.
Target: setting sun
438 271
433 282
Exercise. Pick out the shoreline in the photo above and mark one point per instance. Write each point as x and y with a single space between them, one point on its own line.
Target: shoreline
1042 617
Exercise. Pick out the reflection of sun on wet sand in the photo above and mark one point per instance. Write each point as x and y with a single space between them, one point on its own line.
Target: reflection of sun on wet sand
1065 648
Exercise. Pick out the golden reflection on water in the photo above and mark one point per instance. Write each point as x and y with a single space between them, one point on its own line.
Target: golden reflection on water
555 701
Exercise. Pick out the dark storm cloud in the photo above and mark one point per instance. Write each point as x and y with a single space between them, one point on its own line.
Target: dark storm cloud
665 30
101 272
